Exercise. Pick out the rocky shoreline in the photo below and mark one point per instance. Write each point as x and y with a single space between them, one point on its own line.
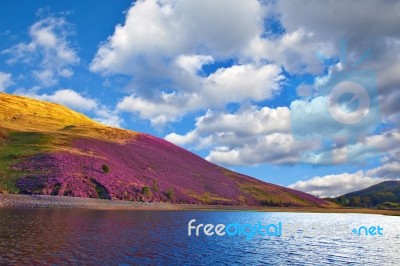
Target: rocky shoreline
62 202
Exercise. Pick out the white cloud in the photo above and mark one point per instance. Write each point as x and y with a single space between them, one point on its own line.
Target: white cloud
311 117
49 52
244 82
259 122
183 140
45 77
255 135
248 137
331 21
390 170
108 116
66 73
335 185
295 51
362 149
167 107
163 46
335 19
147 30
274 148
69 98
5 80
386 144
386 141
171 28
193 63
305 90
234 84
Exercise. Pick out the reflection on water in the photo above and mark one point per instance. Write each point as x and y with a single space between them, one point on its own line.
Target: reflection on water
92 237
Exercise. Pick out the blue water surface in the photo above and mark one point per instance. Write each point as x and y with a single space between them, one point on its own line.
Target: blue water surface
94 237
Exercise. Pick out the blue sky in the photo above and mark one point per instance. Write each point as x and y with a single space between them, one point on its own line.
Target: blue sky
244 84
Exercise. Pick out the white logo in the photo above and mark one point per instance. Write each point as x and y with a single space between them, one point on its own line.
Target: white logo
359 93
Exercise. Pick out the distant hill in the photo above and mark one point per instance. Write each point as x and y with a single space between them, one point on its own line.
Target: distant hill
384 194
46 148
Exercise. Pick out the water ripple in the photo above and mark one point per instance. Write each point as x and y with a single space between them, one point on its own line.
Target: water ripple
89 237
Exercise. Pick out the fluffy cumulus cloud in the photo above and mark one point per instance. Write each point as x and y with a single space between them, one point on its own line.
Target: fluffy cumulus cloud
296 49
5 80
249 136
386 144
49 52
313 118
69 98
228 128
78 102
273 148
165 108
155 29
352 21
337 22
390 170
164 45
234 84
255 135
336 185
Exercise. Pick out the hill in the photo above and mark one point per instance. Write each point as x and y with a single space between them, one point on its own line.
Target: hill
47 149
384 194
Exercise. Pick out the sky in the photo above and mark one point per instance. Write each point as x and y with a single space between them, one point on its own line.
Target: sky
302 94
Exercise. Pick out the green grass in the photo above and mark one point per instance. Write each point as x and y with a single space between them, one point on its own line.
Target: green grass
101 190
170 194
147 192
105 168
17 147
69 127
208 197
260 194
266 198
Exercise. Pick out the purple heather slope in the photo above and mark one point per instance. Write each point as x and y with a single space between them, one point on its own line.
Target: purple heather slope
153 162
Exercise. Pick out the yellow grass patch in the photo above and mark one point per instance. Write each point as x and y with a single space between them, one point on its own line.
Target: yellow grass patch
24 114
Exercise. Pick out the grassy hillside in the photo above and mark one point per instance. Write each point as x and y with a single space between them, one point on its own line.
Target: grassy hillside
383 195
24 114
48 149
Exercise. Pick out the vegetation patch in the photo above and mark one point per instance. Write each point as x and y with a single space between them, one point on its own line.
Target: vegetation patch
170 194
146 191
389 205
69 127
102 191
208 198
382 195
105 168
155 186
17 146
266 198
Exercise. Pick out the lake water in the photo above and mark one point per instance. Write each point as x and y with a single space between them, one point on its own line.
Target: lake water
92 237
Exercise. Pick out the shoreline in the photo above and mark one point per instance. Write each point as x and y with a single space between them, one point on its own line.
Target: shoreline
18 201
